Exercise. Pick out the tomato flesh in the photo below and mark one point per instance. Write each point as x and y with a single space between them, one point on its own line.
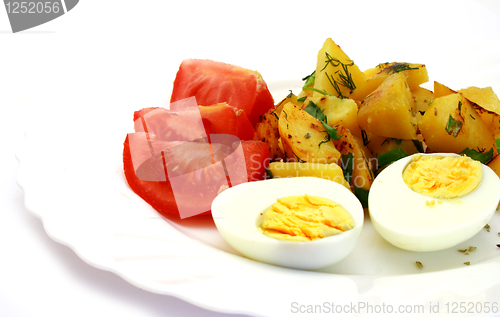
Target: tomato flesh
179 160
216 119
183 178
214 82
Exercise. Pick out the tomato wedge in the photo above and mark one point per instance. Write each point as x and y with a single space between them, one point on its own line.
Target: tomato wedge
183 178
214 82
216 119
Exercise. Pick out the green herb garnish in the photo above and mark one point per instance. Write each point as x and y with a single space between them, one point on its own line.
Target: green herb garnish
419 146
365 138
453 126
275 115
317 90
390 156
315 111
335 85
481 156
398 67
332 132
298 158
347 165
344 78
382 65
362 195
269 174
309 80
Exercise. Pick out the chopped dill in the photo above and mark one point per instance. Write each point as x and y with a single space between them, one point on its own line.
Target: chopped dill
453 126
317 90
365 138
398 67
344 76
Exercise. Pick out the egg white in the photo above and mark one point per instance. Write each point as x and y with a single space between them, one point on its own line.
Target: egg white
404 218
236 212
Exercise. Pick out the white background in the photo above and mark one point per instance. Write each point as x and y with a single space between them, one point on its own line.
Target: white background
138 45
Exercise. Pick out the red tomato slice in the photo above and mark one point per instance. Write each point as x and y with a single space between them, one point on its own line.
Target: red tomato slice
225 119
256 158
171 125
215 82
183 178
158 194
167 125
218 119
244 126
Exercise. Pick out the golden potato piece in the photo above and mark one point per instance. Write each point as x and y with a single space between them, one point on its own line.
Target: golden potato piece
338 111
423 97
451 125
356 158
331 171
441 90
416 74
487 106
370 72
485 97
389 110
336 73
304 138
267 131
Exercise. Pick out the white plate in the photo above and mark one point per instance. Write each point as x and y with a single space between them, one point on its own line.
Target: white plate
71 173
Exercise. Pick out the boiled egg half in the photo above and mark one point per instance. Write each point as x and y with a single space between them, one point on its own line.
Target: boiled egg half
430 202
239 213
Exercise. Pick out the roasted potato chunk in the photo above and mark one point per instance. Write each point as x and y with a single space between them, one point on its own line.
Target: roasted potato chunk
336 73
451 125
267 131
441 90
331 171
389 110
304 138
423 97
487 106
356 159
338 111
416 74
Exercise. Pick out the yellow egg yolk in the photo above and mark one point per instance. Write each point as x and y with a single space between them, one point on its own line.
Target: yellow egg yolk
304 218
443 176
